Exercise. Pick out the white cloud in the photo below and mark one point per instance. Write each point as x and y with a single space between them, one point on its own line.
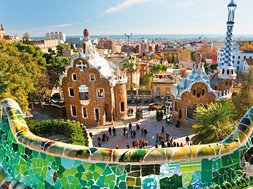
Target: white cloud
125 4
183 4
62 25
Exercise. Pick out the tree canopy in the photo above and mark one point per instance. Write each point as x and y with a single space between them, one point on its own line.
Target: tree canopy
156 69
214 122
21 66
244 100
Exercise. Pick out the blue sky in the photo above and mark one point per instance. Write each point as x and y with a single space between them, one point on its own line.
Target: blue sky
123 16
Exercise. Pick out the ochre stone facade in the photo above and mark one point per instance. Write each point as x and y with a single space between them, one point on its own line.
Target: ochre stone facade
109 106
94 89
198 95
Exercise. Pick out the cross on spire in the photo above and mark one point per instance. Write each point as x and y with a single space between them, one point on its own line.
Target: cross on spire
81 66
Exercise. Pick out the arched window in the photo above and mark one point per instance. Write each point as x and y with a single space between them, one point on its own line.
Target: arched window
194 92
74 77
203 92
92 77
198 92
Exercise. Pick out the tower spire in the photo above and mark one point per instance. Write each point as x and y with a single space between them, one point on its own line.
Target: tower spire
226 69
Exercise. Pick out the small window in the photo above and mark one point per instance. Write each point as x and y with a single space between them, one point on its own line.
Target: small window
239 57
238 62
194 92
122 106
100 93
223 71
198 92
71 92
84 112
244 57
73 77
96 114
92 78
73 111
203 92
216 87
227 72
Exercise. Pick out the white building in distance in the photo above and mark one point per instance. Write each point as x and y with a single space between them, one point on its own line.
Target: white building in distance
56 35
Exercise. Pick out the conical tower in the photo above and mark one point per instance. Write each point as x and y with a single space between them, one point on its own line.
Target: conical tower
226 68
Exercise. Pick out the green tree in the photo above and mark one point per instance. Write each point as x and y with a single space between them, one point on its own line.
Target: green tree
21 66
26 37
61 47
244 100
156 69
214 122
55 68
131 65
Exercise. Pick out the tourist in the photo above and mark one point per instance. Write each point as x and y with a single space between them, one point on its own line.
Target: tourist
99 139
145 132
156 138
134 134
178 123
187 139
110 130
167 137
130 126
156 146
162 144
162 130
137 127
90 134
117 147
114 131
124 131
128 146
99 144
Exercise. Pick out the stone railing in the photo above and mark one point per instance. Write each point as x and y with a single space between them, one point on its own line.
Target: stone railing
42 163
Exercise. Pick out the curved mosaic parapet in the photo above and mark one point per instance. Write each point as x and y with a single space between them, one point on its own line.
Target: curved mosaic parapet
64 165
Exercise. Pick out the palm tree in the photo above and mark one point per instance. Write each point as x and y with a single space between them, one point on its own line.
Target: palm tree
26 37
131 65
156 69
214 122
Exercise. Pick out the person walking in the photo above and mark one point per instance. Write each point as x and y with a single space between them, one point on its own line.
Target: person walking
124 131
134 134
145 132
187 139
110 130
130 126
137 127
162 130
114 131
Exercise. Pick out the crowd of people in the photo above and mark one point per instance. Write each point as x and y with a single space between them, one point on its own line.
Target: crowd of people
162 140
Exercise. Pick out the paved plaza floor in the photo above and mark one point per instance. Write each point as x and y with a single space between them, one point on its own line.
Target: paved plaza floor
148 122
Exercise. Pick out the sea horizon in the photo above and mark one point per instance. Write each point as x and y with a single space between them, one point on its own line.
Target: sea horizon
162 36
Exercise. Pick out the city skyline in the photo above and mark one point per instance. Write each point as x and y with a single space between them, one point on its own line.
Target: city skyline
123 16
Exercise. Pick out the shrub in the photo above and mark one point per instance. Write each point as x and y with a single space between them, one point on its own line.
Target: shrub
69 129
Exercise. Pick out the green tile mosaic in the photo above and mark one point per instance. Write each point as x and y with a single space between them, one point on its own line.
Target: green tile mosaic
131 171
